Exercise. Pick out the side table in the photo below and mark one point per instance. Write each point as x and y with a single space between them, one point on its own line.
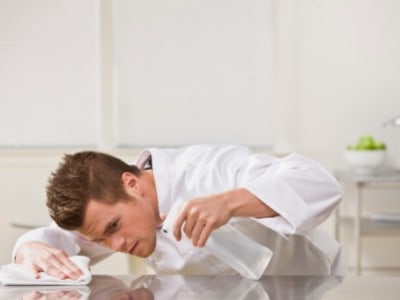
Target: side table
385 179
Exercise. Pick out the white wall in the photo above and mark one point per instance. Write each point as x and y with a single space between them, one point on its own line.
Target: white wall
336 76
337 73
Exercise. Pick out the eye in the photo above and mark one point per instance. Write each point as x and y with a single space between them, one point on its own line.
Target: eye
114 226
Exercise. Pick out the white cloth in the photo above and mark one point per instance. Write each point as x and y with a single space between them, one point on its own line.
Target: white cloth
302 192
17 274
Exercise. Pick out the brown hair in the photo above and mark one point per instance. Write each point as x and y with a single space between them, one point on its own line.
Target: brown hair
82 176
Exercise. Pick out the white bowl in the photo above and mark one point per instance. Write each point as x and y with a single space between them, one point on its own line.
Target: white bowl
364 162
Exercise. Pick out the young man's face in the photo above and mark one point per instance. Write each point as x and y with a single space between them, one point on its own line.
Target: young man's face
127 226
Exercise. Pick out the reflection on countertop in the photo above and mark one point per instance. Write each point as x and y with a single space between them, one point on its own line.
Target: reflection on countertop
182 287
232 287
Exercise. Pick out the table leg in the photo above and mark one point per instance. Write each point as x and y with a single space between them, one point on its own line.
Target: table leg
357 231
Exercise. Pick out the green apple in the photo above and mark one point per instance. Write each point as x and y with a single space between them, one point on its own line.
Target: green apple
367 142
380 146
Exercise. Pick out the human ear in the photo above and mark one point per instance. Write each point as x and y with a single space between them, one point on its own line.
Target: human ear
131 182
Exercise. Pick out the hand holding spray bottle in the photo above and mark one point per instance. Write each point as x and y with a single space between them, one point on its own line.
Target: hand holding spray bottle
246 256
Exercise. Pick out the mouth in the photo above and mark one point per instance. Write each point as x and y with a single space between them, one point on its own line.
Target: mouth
132 250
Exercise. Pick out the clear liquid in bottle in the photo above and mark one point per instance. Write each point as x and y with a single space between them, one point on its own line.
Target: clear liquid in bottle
247 257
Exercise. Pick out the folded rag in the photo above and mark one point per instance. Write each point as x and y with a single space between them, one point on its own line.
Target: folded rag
16 274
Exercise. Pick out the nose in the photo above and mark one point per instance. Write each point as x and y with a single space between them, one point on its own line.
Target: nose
117 242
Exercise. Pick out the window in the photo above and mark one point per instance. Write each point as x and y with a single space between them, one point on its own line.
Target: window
192 71
178 72
48 73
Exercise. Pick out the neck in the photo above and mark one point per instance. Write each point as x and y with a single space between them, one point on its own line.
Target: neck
150 192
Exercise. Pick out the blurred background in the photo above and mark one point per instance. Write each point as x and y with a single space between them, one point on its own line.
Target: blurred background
121 75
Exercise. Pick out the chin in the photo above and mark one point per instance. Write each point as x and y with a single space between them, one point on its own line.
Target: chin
147 251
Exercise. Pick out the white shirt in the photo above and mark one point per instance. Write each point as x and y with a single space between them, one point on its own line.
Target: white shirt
299 189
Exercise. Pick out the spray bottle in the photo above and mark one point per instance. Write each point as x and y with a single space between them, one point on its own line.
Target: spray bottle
246 256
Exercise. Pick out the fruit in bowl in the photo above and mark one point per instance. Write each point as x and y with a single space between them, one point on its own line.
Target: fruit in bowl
366 156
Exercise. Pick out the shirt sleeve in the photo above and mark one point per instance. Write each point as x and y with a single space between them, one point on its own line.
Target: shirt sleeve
299 189
69 241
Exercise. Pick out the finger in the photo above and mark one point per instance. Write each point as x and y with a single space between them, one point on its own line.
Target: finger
65 295
163 216
53 271
32 296
62 263
178 224
191 220
57 269
205 233
189 225
197 230
34 270
73 271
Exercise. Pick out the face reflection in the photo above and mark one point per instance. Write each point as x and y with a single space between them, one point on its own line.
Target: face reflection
128 226
137 294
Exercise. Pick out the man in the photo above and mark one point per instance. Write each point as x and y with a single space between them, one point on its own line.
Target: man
100 205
